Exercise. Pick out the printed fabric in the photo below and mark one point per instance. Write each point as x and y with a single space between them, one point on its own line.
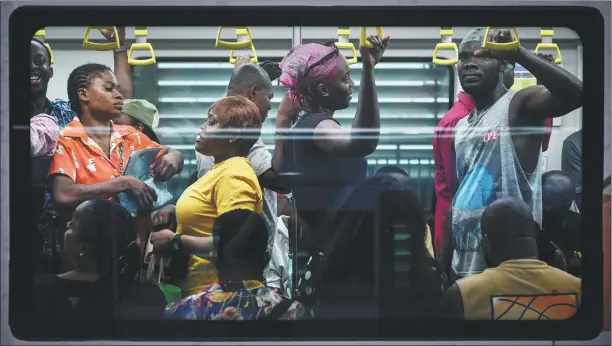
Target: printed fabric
246 300
62 112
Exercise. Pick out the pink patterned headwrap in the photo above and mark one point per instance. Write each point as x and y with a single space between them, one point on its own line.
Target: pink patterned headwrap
301 58
44 134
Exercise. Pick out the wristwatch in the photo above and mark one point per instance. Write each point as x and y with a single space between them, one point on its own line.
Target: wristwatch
177 243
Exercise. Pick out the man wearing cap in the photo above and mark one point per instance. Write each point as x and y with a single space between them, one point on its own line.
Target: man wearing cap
445 179
141 115
498 146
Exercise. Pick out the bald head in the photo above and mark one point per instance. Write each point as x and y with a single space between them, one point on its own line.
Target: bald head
252 81
507 219
246 77
557 189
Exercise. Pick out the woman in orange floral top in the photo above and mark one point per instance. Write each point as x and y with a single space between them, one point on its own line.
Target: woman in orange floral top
92 151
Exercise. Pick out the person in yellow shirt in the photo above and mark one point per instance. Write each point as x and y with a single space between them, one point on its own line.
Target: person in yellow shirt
516 286
233 126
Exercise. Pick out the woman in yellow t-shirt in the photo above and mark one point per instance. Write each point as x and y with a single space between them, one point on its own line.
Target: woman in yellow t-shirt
233 126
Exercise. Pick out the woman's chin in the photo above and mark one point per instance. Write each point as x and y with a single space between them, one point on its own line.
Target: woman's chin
202 149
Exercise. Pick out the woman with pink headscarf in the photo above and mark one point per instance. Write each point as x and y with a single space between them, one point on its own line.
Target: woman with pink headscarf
326 160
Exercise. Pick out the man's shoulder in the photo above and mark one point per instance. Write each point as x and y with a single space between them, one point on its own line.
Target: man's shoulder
465 283
258 149
574 138
260 158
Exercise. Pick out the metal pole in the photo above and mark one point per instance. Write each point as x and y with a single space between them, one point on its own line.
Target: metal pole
343 38
297 36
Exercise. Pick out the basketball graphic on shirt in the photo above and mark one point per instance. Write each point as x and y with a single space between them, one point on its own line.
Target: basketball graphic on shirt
476 192
535 307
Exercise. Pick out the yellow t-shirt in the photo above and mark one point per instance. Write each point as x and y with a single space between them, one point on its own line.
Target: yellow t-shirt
229 185
522 289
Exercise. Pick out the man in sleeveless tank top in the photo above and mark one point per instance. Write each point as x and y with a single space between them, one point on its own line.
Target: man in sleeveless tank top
498 145
516 286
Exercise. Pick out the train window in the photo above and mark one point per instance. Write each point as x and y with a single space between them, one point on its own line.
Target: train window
413 96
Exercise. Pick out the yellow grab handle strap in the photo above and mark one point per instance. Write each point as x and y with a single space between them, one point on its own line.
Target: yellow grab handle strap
363 36
101 46
240 31
141 62
351 47
550 46
445 46
507 46
254 60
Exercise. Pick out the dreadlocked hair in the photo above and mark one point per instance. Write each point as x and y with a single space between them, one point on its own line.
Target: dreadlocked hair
81 77
37 40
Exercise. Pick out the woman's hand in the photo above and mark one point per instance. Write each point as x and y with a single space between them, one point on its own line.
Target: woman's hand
143 194
164 216
371 56
162 240
242 60
110 34
168 165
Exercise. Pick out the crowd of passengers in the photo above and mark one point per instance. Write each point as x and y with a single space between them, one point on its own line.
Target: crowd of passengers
503 230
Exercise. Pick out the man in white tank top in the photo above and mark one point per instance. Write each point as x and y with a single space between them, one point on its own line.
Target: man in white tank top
498 145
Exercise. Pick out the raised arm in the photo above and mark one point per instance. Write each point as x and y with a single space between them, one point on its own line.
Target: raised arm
123 70
287 113
560 92
364 135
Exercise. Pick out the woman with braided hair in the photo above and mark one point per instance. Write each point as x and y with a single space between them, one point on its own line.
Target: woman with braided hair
92 151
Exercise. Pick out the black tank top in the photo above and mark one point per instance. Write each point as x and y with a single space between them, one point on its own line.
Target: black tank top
323 182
